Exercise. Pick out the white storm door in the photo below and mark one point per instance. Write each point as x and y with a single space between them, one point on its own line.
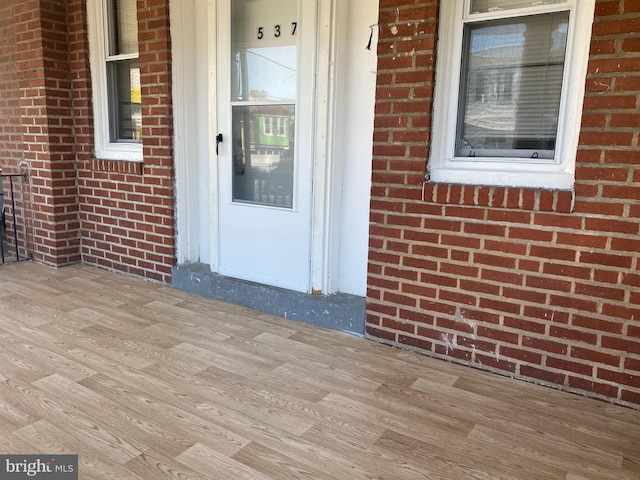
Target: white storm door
265 72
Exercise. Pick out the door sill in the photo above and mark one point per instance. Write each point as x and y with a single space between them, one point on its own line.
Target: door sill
340 311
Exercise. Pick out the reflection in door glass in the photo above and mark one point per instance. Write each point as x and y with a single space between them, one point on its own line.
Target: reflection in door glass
264 86
263 147
265 74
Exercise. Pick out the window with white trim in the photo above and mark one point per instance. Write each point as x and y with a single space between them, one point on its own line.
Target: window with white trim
510 79
115 74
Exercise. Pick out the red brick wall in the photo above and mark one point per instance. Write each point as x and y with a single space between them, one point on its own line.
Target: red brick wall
535 284
117 215
127 208
10 122
37 136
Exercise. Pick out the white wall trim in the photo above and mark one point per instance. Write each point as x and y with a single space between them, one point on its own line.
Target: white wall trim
183 93
335 141
322 176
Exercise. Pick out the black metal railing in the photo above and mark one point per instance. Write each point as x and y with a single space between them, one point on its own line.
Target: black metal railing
11 223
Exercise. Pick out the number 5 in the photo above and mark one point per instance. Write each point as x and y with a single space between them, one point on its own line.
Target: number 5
260 33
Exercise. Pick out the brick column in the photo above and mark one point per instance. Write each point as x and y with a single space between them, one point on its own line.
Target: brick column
44 86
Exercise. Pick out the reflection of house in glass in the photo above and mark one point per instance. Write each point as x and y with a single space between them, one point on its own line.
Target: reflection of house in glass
511 89
263 154
274 126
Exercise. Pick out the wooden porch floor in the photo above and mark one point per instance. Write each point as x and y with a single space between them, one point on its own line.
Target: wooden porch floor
145 382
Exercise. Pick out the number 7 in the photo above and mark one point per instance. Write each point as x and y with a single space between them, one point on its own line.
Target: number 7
294 27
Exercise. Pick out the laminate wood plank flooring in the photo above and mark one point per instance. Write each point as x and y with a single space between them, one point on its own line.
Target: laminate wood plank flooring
145 382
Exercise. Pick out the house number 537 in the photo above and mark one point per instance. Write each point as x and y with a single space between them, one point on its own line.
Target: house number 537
278 30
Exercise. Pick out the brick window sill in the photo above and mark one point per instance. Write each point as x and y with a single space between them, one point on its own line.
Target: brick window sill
559 201
117 166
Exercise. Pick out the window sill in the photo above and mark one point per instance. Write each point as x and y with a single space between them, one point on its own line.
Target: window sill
117 166
543 200
498 173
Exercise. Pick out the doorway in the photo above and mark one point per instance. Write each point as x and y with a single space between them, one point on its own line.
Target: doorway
304 254
264 143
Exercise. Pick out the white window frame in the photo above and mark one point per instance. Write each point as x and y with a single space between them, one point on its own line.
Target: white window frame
104 148
557 173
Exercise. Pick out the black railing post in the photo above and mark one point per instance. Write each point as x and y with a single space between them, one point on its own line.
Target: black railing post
15 225
13 214
2 221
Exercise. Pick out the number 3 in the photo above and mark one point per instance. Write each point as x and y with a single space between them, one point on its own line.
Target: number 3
276 31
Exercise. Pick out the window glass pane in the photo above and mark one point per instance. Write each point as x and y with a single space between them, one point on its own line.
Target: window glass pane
123 27
265 54
263 152
511 87
125 101
483 6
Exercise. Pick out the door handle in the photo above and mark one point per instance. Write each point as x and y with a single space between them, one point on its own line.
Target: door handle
218 141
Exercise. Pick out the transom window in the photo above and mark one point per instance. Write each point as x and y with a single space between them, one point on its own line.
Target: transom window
509 91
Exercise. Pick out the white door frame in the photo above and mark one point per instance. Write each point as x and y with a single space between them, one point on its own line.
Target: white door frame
324 248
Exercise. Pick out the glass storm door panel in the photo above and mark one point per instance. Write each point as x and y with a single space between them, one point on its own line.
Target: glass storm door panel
265 161
264 88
